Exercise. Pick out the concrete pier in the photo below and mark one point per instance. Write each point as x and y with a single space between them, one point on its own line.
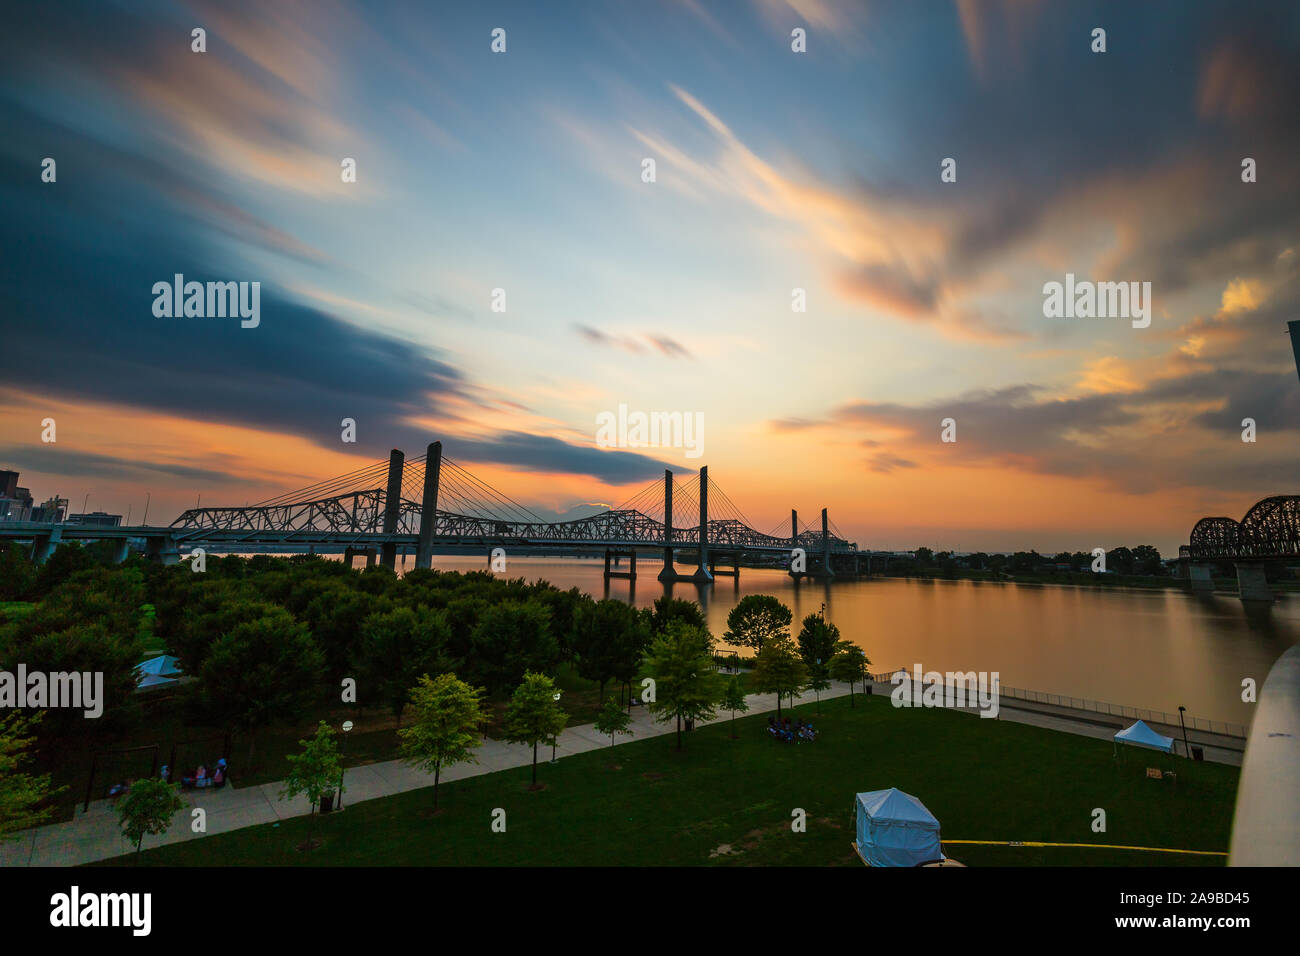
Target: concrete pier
1252 585
1201 577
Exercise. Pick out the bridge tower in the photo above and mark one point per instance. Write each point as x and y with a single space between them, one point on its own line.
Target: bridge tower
702 574
826 545
669 573
429 505
392 506
794 543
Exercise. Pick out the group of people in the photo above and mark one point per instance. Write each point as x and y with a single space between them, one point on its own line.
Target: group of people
785 730
201 776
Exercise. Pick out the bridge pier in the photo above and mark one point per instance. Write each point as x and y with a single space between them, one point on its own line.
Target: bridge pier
630 573
163 549
1201 576
46 544
121 550
735 566
1252 585
702 573
429 505
392 505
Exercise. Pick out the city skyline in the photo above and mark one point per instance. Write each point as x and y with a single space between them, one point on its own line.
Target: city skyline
776 171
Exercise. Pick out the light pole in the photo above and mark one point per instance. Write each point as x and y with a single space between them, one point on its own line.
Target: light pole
145 520
347 729
1187 751
556 698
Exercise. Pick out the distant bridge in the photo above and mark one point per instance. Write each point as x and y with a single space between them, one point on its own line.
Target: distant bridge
1269 531
433 505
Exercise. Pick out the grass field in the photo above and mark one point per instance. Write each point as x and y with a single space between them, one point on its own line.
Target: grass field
727 802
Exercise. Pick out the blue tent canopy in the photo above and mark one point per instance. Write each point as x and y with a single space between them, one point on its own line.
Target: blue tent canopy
895 829
158 671
1140 735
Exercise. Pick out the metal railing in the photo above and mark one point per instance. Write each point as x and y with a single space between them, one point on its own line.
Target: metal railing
1221 727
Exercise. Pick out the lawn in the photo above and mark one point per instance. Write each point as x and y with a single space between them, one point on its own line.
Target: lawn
729 801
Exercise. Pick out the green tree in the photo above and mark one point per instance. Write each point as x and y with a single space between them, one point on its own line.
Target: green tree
510 639
849 664
687 686
314 772
534 715
779 670
89 646
395 648
757 619
668 609
817 640
609 637
733 699
21 794
17 574
148 807
263 672
446 714
612 720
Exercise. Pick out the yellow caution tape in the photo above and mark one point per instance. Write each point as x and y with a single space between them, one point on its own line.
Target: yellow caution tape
1095 846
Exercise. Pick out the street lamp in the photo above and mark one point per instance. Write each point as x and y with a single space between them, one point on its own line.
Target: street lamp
556 698
1187 751
347 729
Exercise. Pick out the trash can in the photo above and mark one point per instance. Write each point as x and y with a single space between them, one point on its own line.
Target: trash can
327 802
1198 753
867 689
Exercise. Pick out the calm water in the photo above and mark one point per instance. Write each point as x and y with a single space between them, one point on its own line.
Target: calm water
1143 649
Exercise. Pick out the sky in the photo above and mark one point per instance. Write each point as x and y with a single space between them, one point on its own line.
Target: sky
775 170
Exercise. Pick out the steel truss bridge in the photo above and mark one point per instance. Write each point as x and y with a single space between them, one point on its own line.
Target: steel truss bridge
1269 530
432 504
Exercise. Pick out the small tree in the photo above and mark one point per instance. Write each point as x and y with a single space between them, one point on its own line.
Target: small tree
612 720
757 619
687 687
733 699
817 639
446 717
148 807
21 794
314 772
779 670
819 679
849 664
534 715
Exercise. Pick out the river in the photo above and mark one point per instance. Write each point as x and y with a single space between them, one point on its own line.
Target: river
1148 649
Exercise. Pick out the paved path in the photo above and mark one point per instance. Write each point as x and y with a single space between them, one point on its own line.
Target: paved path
96 834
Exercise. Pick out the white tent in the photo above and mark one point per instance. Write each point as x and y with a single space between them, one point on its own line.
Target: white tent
1140 735
895 829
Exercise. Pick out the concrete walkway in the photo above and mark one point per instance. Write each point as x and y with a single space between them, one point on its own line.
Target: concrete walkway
96 835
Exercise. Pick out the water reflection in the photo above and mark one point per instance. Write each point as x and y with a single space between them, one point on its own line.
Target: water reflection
1154 649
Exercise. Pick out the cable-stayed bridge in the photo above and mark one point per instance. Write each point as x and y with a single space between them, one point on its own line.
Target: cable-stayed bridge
434 505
